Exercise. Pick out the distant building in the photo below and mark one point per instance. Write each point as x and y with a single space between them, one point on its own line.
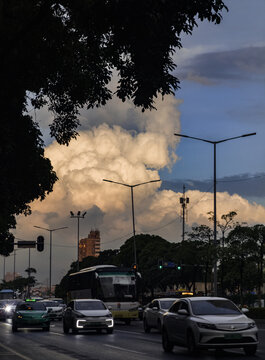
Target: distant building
10 276
90 246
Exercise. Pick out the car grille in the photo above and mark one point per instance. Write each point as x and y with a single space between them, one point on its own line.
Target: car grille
231 327
246 339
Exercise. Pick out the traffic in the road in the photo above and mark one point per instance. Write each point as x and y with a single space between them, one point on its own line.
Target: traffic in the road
126 341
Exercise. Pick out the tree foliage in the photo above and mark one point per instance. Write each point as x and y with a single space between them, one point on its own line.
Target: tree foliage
63 53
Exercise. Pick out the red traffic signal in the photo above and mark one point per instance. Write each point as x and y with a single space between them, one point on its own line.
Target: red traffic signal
40 243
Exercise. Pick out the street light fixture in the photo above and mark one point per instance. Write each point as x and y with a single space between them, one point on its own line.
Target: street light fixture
51 231
214 187
131 187
77 216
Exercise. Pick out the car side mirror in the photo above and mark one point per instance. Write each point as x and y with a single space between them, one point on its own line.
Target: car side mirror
110 308
244 310
183 312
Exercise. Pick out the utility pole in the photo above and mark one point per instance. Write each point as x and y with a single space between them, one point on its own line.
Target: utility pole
183 201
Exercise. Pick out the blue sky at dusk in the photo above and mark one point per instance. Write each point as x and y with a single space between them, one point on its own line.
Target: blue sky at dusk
224 95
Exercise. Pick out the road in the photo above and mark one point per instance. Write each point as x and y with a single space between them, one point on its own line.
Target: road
127 342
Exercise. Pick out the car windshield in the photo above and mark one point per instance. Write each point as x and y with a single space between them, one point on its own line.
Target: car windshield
89 305
50 303
165 304
31 306
214 307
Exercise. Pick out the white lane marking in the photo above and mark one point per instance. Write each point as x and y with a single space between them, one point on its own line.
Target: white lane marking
55 333
15 352
123 349
127 332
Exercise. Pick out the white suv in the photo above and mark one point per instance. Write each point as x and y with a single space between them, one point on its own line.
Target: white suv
208 322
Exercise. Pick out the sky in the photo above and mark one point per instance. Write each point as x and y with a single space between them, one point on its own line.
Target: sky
222 73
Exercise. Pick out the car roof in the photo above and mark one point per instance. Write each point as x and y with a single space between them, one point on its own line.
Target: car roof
80 300
165 299
205 298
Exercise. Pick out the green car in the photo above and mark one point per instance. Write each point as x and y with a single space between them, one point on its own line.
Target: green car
30 315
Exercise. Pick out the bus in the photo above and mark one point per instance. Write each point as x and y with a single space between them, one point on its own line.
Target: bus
7 294
115 286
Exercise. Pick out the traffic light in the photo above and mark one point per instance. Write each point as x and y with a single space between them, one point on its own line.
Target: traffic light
160 264
178 267
134 267
40 243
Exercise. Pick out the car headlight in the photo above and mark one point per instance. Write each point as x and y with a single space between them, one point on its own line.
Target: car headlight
251 325
110 322
80 323
206 326
8 309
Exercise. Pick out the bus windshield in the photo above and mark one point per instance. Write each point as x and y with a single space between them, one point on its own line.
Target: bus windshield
120 287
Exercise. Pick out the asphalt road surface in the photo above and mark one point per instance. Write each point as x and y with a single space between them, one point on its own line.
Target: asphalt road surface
128 342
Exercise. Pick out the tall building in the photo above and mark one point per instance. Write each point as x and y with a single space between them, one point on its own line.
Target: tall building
90 246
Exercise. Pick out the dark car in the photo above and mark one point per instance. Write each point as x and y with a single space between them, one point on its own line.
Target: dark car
87 314
30 315
208 323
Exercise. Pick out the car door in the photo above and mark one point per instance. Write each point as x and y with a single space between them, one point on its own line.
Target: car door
154 313
182 322
169 321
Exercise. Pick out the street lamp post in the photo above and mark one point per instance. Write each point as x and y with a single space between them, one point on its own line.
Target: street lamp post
214 191
50 270
77 216
133 219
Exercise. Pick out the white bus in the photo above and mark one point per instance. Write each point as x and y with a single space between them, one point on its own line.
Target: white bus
114 285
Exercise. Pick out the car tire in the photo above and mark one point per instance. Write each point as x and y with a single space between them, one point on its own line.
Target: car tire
65 328
99 331
46 328
14 328
127 321
191 343
159 325
109 331
250 350
146 327
166 343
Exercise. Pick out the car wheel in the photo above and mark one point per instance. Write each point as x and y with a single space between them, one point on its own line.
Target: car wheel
146 327
127 321
250 350
65 328
99 331
46 328
109 331
159 325
166 343
14 328
191 343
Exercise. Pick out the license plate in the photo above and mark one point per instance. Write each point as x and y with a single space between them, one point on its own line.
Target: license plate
233 336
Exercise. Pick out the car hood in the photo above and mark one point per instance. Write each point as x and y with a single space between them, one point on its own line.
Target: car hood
223 319
94 312
55 308
32 314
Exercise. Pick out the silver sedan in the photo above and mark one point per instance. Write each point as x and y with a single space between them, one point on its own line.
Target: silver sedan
208 322
153 313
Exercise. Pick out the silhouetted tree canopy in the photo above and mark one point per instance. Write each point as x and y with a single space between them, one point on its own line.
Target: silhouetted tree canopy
63 53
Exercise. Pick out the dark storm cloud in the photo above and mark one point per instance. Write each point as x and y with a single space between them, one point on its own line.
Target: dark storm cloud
245 185
246 63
